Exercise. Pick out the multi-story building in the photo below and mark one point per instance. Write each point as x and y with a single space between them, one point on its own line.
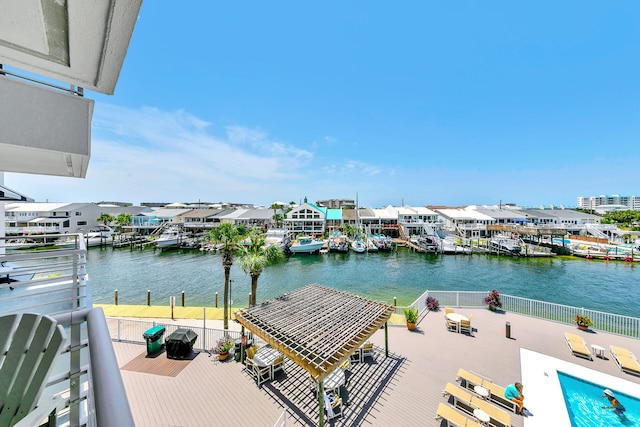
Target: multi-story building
604 203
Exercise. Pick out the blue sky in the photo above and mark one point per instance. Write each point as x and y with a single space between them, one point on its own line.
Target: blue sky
417 102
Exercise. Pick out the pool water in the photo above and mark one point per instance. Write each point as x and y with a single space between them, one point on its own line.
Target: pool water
584 404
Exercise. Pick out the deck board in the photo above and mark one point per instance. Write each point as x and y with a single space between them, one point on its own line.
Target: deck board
404 389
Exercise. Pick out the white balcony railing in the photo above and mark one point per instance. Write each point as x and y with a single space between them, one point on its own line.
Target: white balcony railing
54 281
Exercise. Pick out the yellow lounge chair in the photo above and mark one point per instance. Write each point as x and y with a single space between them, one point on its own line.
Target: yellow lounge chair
496 395
453 417
625 360
468 402
470 379
577 345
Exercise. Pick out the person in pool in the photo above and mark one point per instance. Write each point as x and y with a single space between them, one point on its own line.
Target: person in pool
617 407
513 392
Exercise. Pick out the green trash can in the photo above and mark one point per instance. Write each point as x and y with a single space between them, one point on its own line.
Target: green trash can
153 337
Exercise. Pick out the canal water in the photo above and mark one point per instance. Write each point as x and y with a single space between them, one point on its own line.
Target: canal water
609 286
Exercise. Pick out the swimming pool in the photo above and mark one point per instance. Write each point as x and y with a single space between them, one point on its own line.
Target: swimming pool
584 404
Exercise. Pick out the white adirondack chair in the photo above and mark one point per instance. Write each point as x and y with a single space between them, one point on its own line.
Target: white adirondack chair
29 346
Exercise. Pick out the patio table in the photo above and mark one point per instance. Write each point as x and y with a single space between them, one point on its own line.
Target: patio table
457 318
265 356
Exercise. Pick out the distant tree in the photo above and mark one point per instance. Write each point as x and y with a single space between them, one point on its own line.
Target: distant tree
105 218
123 219
230 238
255 257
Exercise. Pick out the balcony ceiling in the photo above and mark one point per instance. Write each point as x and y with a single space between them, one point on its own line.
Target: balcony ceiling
80 42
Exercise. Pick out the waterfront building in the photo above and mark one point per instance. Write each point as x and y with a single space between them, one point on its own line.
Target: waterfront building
603 203
308 218
23 218
337 203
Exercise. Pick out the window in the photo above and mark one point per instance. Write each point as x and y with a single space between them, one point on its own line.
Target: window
79 223
78 213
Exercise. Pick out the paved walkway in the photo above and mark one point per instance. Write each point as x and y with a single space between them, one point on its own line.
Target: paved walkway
403 389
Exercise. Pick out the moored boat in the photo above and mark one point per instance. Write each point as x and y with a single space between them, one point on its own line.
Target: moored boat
305 245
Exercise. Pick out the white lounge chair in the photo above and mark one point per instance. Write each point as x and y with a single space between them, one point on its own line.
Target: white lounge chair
29 346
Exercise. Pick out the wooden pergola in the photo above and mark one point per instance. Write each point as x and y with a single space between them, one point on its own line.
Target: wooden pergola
318 328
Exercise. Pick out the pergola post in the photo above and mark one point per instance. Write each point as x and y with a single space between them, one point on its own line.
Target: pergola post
386 339
321 403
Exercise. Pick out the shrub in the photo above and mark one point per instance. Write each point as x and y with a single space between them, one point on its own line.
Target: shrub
493 299
583 320
223 345
432 304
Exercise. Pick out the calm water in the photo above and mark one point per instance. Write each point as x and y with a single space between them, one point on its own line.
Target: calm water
607 286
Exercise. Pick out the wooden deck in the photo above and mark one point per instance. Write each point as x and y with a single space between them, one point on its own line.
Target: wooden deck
404 389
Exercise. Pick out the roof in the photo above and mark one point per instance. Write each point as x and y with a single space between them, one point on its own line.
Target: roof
316 327
334 214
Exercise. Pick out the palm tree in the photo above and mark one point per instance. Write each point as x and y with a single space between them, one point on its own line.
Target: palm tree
229 237
255 257
123 219
105 218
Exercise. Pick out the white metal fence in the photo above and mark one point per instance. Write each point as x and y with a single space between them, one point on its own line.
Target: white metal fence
602 321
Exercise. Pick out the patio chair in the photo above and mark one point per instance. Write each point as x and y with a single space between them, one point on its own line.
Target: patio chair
259 373
453 417
448 310
29 346
333 405
625 360
451 325
367 351
577 345
278 364
465 326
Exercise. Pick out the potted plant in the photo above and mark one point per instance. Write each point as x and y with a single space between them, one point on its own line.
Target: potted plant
222 348
432 304
411 314
493 300
583 322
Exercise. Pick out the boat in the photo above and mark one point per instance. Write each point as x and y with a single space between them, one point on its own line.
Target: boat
171 237
98 236
505 246
305 245
358 246
276 236
382 242
428 243
338 242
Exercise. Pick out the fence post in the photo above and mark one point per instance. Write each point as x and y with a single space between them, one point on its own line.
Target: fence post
216 304
204 328
148 297
183 298
115 296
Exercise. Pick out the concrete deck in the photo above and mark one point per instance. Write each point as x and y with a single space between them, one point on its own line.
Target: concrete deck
404 389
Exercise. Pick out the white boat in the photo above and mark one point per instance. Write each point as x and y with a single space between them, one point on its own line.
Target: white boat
276 236
98 236
338 243
358 245
171 237
505 245
305 245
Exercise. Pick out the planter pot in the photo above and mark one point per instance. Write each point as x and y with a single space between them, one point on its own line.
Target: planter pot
492 308
223 356
582 327
411 326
